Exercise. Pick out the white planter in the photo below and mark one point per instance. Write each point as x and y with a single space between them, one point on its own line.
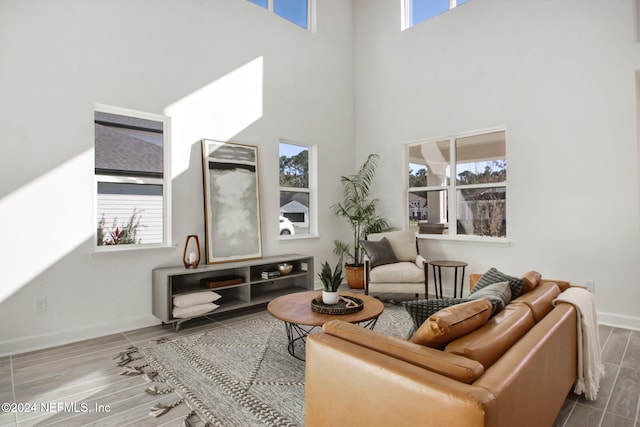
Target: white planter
330 298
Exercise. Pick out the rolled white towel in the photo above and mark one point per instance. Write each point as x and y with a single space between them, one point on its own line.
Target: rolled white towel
195 298
193 310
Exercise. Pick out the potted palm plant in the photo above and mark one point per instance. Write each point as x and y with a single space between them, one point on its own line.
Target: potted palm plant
330 282
360 212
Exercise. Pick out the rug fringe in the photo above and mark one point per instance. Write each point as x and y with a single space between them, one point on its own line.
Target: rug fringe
127 356
156 391
160 409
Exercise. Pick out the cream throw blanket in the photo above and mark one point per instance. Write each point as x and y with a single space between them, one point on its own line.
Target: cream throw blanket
590 367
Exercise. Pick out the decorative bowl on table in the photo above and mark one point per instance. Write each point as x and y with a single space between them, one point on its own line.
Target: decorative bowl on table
285 268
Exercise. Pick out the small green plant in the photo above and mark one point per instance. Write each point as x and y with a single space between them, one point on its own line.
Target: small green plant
127 234
331 280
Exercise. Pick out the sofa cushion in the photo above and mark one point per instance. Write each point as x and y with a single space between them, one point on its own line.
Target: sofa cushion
531 280
452 322
379 252
494 276
489 342
498 294
399 272
539 300
453 366
421 310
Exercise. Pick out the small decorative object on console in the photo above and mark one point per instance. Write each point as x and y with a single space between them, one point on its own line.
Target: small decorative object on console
220 281
285 268
191 255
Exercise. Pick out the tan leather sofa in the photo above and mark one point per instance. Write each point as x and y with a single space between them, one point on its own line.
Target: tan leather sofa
515 370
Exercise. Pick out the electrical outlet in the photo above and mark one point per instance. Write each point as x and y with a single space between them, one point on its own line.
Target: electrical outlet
41 305
591 285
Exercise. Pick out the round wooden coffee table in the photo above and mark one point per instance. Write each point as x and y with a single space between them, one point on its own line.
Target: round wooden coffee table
300 319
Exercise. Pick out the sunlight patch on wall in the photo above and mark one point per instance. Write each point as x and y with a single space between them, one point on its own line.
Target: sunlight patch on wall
44 221
217 111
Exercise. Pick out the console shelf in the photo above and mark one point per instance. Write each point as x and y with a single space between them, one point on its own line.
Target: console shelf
254 290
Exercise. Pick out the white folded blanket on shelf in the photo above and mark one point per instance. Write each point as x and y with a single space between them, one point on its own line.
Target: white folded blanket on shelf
193 310
195 298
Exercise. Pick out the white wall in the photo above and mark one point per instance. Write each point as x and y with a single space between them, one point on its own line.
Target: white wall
221 69
561 77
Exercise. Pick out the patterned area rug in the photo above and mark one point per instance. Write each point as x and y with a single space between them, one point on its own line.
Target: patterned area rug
242 374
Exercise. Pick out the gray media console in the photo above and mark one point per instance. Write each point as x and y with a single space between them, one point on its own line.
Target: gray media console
253 289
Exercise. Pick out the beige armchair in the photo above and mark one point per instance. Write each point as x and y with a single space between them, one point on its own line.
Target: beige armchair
393 263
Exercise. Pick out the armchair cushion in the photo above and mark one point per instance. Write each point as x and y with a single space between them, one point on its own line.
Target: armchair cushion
403 243
379 252
398 272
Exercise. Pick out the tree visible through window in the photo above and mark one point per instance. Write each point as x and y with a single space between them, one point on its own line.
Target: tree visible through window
474 203
295 189
131 184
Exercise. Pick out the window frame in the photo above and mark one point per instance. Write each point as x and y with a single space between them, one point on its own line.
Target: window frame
312 159
165 181
311 14
406 7
452 188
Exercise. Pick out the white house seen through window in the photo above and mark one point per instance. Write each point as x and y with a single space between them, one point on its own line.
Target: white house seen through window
458 185
295 190
131 178
296 11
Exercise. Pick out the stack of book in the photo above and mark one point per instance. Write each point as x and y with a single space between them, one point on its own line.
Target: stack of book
270 274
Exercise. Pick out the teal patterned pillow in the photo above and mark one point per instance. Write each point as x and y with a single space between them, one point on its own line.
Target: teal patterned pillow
494 276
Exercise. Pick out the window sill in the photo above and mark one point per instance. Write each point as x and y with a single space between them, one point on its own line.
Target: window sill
285 238
122 249
465 239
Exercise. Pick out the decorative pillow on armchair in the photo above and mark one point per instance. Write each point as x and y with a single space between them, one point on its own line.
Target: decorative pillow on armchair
379 252
494 276
421 310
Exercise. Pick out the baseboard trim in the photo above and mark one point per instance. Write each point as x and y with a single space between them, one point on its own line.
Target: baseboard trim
53 339
618 321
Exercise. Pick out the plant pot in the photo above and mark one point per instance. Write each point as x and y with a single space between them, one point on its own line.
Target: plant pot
330 298
355 276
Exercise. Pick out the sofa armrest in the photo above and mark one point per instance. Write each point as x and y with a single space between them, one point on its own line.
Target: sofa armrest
473 279
453 366
347 384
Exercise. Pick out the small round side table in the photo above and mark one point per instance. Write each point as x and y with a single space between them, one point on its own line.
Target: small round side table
437 278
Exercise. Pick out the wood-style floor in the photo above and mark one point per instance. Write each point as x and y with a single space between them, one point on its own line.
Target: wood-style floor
79 384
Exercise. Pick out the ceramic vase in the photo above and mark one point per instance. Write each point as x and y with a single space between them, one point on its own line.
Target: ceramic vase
330 298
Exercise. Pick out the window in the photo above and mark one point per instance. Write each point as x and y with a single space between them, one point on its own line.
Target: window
132 178
297 202
296 11
416 11
474 203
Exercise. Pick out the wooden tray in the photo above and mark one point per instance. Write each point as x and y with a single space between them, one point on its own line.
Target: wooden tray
340 308
218 282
